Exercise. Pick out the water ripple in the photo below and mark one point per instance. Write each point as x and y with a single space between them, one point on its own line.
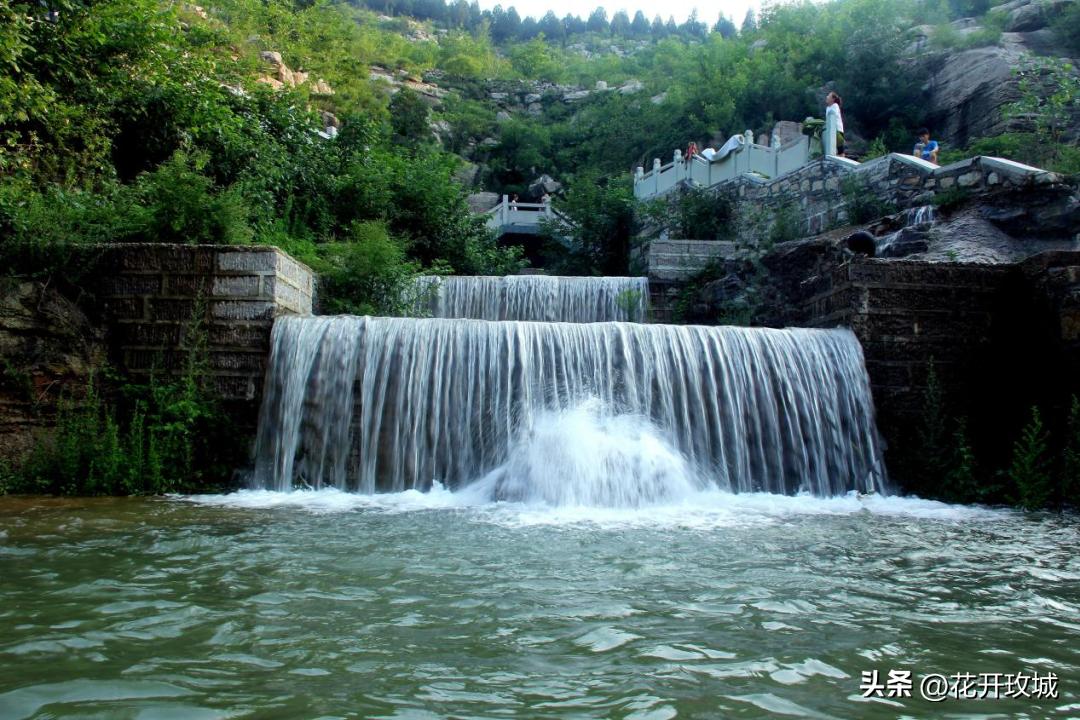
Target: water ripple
316 605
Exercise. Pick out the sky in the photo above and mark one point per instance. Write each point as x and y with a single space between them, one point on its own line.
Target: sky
708 12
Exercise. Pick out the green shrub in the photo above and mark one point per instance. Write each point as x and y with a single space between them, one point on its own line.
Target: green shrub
367 275
785 225
184 206
167 434
692 214
932 436
950 199
1029 470
862 204
629 301
877 149
1027 148
960 483
1067 28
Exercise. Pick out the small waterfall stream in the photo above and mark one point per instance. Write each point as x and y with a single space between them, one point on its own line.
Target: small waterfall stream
536 297
911 237
595 413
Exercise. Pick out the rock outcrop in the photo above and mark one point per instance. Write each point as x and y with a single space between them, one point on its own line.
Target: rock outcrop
282 76
543 185
429 92
968 92
47 346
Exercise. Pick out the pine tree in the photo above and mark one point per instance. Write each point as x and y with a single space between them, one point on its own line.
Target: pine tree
1030 467
749 23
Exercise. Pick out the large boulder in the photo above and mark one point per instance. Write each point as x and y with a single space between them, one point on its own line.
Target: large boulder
1026 18
542 185
482 201
467 174
967 93
48 347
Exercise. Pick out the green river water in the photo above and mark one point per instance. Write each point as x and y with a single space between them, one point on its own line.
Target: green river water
326 605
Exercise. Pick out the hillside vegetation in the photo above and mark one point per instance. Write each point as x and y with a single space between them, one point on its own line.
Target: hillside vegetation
309 124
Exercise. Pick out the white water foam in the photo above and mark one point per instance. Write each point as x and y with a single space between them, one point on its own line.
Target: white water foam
585 457
699 509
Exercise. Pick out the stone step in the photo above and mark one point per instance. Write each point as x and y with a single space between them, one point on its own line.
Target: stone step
708 247
666 260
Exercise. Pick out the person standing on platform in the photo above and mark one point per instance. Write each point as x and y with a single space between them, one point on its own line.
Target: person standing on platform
832 107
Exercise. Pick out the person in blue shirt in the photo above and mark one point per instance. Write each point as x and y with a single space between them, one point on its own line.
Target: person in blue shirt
926 148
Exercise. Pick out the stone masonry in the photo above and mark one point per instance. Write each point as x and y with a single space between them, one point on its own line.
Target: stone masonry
1001 338
151 296
815 194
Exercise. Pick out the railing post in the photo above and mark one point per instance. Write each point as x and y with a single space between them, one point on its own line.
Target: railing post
656 176
504 212
828 135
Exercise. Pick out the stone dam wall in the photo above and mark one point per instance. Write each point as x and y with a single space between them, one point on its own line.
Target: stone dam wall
1000 338
151 294
140 308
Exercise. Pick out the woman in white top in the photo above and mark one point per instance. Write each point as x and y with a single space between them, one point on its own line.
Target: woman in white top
832 107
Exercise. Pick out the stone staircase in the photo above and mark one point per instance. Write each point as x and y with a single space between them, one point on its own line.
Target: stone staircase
680 260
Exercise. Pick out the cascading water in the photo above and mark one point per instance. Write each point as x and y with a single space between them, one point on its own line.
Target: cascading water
922 215
536 297
598 413
912 237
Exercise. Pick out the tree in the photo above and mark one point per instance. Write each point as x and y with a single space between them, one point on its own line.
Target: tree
504 24
459 14
1050 96
620 24
574 25
536 59
639 27
529 29
693 27
598 21
749 23
725 27
657 29
598 216
409 118
552 27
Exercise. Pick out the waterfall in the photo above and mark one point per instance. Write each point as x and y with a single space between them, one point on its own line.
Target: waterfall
641 412
535 297
912 237
922 215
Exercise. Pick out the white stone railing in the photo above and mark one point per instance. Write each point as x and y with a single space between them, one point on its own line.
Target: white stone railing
520 216
770 162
